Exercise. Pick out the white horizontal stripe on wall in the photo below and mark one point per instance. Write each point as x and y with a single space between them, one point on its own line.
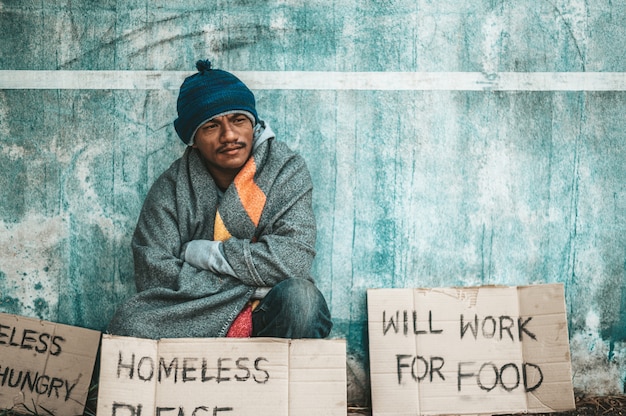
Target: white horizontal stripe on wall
305 80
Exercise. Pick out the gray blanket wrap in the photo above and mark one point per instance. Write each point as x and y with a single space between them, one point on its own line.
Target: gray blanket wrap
174 299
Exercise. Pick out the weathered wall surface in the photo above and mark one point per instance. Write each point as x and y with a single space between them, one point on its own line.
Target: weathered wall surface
414 188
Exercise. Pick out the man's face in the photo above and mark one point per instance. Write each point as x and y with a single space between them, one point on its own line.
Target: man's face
225 142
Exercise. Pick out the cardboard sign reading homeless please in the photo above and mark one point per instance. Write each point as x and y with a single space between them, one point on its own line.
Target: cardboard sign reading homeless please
221 377
469 350
45 367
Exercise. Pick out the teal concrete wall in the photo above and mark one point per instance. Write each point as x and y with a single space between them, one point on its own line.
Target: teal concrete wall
413 188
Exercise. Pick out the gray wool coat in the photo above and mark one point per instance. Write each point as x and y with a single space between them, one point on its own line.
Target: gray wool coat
174 299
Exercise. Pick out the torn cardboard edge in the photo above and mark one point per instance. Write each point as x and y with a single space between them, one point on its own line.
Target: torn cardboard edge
474 350
45 367
221 376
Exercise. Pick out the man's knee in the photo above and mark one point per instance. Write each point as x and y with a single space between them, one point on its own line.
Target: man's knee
299 295
294 308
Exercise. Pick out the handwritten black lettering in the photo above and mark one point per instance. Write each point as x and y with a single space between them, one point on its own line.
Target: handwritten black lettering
128 366
127 409
492 328
487 322
480 377
68 388
14 383
55 384
222 369
473 328
515 378
204 371
168 369
430 367
240 364
436 369
522 328
526 376
55 343
29 381
391 324
12 343
187 369
400 365
430 324
3 334
43 343
30 339
415 330
197 411
405 320
257 362
145 368
415 367
27 340
42 384
460 375
508 377
506 323
410 323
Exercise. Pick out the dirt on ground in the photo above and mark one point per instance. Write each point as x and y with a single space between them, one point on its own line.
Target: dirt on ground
585 406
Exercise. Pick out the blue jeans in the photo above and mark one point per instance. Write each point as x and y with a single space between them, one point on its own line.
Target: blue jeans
294 308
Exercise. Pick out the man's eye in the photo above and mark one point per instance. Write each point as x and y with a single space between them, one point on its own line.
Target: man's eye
240 119
209 126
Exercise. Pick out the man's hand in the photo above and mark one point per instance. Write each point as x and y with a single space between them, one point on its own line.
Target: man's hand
207 255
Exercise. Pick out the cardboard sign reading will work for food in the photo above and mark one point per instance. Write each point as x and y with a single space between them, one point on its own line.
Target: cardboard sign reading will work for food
221 377
45 367
469 350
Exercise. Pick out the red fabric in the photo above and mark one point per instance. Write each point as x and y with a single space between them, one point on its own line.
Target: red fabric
242 325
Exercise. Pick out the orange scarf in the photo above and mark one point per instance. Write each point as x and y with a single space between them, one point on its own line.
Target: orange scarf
253 201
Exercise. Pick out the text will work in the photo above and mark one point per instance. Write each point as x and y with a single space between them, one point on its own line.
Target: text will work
489 327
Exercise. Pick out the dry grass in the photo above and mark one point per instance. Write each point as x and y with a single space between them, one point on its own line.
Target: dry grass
585 406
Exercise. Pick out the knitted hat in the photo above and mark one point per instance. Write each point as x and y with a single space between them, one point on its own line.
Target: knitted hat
207 94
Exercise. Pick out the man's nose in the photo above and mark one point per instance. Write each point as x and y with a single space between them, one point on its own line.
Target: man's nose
228 132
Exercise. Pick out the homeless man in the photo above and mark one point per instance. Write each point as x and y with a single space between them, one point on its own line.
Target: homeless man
226 237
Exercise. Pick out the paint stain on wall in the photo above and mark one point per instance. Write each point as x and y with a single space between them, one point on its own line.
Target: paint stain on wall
31 261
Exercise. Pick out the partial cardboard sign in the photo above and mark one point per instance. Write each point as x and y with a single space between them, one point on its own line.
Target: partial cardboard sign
222 376
474 350
317 378
45 367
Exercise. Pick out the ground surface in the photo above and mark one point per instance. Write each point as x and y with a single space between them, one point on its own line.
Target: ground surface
585 406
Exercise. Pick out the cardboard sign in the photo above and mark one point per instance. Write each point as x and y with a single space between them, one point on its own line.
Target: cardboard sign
469 350
222 376
45 367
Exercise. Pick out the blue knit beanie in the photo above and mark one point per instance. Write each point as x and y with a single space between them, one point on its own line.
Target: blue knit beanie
207 94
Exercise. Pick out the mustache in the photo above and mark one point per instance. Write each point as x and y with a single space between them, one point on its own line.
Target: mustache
231 146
